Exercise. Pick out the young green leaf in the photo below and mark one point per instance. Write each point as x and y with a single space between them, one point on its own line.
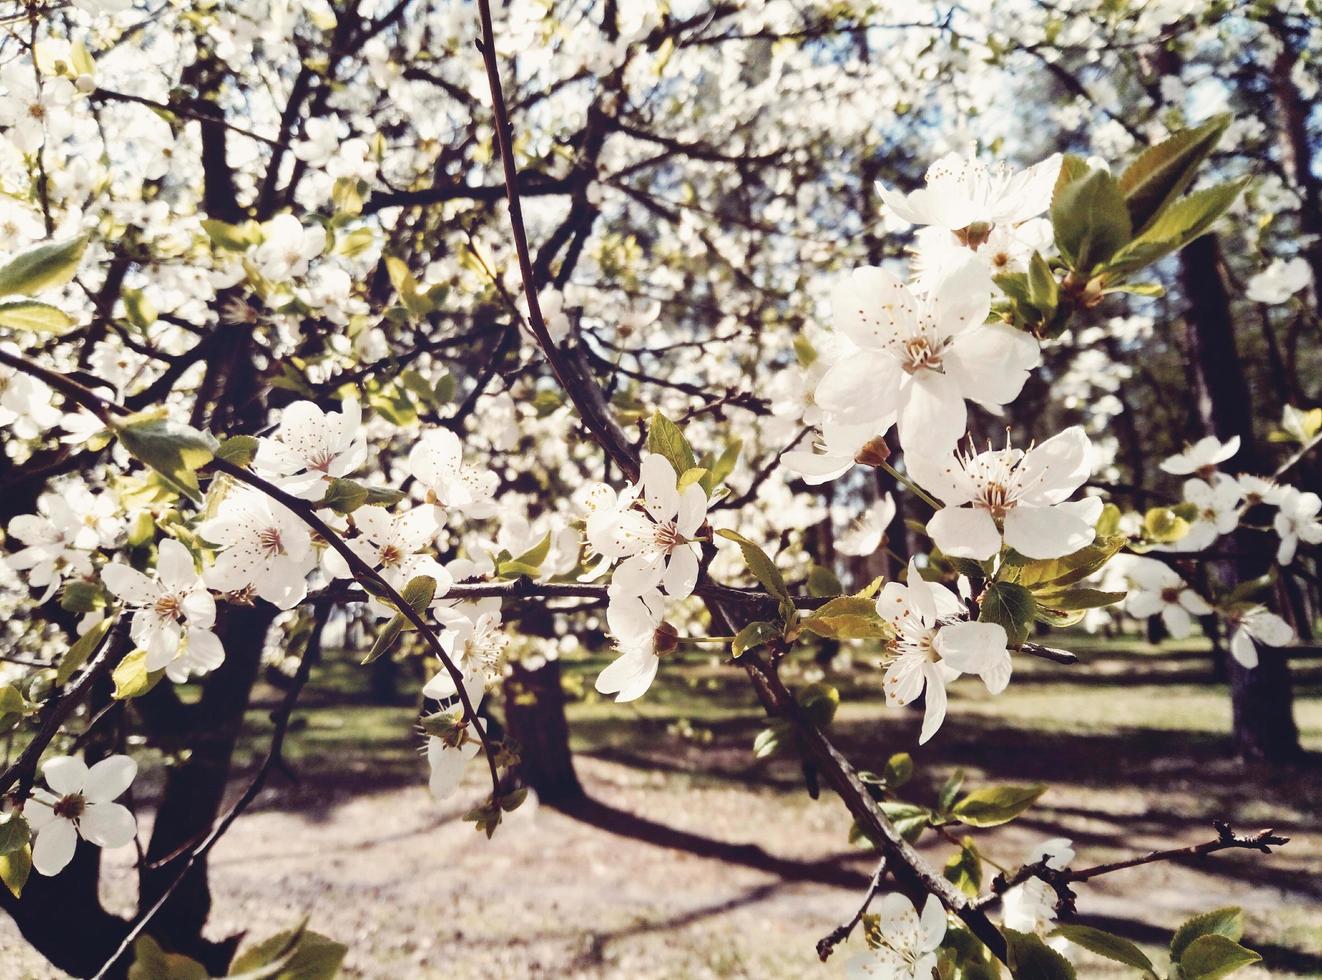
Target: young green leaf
848 618
1228 922
15 868
81 650
1090 220
1010 605
1212 957
42 267
753 635
28 314
992 806
760 564
1109 946
1162 172
529 563
172 449
14 832
1032 959
666 439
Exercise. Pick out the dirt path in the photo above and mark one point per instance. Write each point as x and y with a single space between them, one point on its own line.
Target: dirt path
415 892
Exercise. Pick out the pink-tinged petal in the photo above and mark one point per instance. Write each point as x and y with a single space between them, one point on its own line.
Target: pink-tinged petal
629 677
130 584
174 566
935 712
107 825
53 849
681 574
1052 532
108 778
1243 649
1051 472
965 532
932 415
65 774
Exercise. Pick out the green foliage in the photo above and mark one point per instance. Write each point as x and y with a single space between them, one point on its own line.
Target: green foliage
666 439
1213 956
35 317
823 583
15 868
760 564
848 618
174 450
1010 605
151 962
13 707
529 563
754 635
1109 946
14 832
1032 959
1090 218
239 450
418 593
42 267
298 954
1163 172
131 677
81 650
964 868
992 806
1227 922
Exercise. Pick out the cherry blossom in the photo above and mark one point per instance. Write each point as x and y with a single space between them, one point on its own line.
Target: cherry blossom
79 803
51 551
175 612
921 358
842 447
1218 513
267 549
1279 281
1031 905
649 530
1296 520
287 247
1202 456
1257 625
1011 494
1159 589
474 641
867 531
908 942
312 447
962 191
391 543
931 648
634 621
436 461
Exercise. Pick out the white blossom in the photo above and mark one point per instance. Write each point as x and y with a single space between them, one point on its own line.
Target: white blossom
1255 625
79 803
1296 520
1279 281
962 191
266 549
311 447
436 461
867 531
1204 455
908 942
1158 589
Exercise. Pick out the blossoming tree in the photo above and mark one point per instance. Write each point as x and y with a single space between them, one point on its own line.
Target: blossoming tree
275 357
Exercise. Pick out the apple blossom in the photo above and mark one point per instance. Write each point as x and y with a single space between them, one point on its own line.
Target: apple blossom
473 640
1011 494
79 803
1031 905
1218 513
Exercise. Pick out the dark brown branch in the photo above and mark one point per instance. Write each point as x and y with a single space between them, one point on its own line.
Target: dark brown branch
827 944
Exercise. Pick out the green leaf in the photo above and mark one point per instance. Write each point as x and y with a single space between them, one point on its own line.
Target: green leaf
1161 173
14 870
819 702
406 286
758 562
529 563
1164 526
131 677
81 596
1105 944
150 962
770 740
239 450
13 707
344 496
298 954
1043 290
753 635
945 799
172 449
14 832
418 593
666 439
823 583
42 267
909 819
964 869
848 618
233 238
1212 957
1073 599
1177 226
898 770
138 308
1010 605
81 650
1228 922
992 806
1054 574
1032 959
28 314
1090 220
689 477
723 467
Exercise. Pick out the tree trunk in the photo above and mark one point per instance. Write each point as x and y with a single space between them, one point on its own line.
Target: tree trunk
535 720
1262 699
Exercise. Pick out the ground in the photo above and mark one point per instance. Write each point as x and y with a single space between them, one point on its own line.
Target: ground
695 860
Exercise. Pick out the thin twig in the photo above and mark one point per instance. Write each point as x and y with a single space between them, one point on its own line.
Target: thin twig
827 944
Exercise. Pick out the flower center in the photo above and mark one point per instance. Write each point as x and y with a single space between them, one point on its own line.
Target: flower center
268 539
70 807
997 498
167 607
390 555
1170 595
919 353
668 537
